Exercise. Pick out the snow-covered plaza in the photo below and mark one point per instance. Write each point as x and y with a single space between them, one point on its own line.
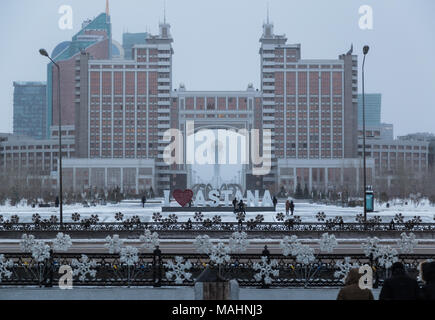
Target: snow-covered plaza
305 210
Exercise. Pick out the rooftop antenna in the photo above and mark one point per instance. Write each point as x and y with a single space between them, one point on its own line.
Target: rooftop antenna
267 12
164 11
107 7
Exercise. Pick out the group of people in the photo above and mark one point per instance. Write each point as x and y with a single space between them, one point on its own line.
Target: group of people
399 287
239 206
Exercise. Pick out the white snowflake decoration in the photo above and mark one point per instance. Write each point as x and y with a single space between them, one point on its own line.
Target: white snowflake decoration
220 253
150 240
84 267
289 244
238 242
266 269
27 242
386 256
62 242
407 243
179 270
344 268
114 244
40 250
4 266
370 246
203 244
129 255
328 243
304 254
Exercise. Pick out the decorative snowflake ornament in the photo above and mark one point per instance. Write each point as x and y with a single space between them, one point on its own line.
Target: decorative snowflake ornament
129 255
40 251
304 254
198 216
114 244
320 216
267 270
328 243
407 243
178 270
203 244
280 216
398 218
238 242
4 266
27 242
62 242
220 253
84 267
386 256
370 246
288 245
150 240
344 268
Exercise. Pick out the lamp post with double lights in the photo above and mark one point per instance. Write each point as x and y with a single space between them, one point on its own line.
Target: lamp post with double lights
44 53
365 51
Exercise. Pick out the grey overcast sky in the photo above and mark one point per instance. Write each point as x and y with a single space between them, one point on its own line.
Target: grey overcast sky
216 44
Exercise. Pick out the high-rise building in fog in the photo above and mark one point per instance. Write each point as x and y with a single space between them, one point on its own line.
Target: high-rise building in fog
30 109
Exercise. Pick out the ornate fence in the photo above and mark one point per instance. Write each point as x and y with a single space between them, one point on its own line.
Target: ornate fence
151 269
209 226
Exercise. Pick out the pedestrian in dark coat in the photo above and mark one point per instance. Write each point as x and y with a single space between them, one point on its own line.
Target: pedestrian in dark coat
287 207
56 202
351 290
241 206
144 199
275 201
400 286
234 203
292 207
427 292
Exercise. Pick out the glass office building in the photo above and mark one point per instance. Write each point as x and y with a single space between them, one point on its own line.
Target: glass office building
30 109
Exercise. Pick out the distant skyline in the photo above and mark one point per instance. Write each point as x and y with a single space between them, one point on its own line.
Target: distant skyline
216 44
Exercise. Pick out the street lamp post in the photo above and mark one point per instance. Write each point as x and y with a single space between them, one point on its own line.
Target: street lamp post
365 51
44 53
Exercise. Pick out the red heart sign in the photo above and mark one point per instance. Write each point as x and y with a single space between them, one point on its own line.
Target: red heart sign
183 197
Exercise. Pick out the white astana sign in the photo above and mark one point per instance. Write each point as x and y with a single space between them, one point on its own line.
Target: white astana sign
252 199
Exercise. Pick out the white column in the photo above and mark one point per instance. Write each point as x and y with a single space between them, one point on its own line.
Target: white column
137 180
122 179
74 179
310 179
342 175
357 179
295 180
105 178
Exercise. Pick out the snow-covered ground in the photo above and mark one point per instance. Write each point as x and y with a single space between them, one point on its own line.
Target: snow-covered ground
305 210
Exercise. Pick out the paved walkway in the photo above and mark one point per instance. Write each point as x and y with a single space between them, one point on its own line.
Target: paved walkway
170 293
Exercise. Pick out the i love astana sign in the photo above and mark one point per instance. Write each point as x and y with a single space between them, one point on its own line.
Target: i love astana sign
217 198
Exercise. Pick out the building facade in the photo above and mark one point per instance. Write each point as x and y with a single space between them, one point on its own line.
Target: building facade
30 109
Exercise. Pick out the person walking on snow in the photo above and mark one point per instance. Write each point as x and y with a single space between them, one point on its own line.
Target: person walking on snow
287 207
292 207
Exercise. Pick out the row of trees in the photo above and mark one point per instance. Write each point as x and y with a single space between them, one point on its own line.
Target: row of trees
18 187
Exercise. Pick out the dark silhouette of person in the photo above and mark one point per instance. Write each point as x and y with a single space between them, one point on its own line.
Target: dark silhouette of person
234 203
275 201
427 292
144 199
287 207
57 202
49 270
242 206
292 207
400 286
